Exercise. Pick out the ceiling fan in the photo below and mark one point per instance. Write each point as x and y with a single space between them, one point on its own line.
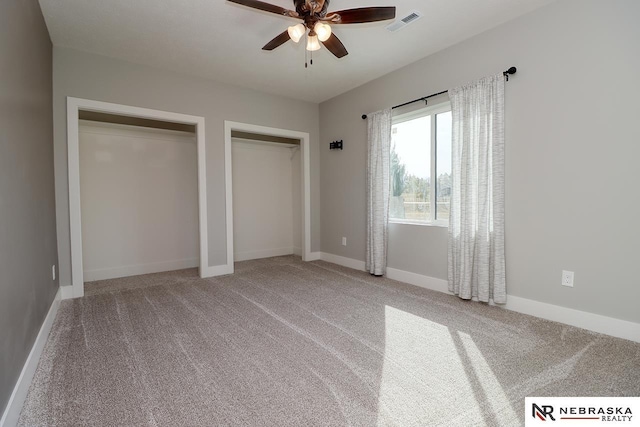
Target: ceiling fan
317 20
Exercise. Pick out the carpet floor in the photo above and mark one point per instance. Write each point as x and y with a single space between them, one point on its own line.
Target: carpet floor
282 342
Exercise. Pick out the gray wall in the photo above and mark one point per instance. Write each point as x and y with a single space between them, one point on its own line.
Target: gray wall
89 76
572 144
27 210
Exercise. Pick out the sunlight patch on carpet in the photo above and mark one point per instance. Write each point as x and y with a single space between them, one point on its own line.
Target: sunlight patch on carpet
494 393
423 377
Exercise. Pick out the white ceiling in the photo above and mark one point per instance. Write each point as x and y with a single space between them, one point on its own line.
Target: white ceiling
222 41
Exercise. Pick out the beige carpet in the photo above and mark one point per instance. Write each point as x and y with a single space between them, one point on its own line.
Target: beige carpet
283 342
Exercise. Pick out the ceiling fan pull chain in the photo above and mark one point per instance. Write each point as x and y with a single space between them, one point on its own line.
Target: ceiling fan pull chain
306 65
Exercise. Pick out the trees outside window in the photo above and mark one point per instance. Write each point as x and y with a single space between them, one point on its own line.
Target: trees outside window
420 156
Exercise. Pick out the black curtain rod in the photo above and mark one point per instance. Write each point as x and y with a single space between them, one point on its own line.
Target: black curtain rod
511 70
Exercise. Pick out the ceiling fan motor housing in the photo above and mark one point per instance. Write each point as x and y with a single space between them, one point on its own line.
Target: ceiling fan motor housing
311 7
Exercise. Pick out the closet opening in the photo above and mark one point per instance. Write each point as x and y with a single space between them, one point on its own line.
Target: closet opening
137 191
268 179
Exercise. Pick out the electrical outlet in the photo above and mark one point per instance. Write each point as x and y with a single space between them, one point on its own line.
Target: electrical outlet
567 278
344 241
53 272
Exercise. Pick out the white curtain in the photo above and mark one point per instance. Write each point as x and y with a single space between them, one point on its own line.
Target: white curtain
378 154
476 223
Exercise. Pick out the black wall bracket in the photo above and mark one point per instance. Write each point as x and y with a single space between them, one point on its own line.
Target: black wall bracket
335 145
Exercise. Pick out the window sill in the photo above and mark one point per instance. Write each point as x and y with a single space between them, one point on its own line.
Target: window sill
441 224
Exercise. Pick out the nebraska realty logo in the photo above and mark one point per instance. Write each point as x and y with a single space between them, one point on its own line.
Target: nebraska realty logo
582 411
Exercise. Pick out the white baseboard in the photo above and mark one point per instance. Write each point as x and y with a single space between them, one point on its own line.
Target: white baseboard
297 251
265 253
581 319
343 261
16 401
418 280
134 270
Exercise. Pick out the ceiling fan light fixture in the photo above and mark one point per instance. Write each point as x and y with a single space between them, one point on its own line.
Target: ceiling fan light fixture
296 32
310 12
323 31
313 43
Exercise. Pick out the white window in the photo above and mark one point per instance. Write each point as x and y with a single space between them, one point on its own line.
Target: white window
421 166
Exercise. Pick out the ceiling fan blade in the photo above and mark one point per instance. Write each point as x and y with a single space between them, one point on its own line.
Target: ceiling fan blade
364 14
278 40
335 46
267 7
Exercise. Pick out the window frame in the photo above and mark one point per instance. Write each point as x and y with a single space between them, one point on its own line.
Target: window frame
433 111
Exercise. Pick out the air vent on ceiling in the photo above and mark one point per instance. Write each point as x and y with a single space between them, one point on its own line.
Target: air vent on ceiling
412 17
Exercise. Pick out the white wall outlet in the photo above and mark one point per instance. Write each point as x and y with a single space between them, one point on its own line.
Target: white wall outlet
53 272
344 241
567 278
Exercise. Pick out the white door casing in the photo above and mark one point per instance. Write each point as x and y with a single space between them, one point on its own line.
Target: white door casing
74 106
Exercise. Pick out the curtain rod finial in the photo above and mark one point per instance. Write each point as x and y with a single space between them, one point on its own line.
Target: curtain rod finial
364 116
511 70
